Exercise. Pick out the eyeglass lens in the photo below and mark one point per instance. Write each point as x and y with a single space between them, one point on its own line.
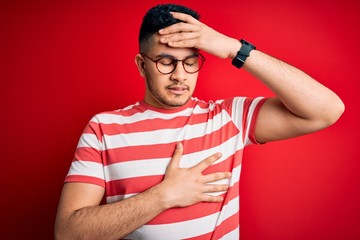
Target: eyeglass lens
167 65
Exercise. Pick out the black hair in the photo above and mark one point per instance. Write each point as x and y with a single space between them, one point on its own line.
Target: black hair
159 17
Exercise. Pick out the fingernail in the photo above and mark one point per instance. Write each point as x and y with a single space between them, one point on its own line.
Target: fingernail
219 154
178 145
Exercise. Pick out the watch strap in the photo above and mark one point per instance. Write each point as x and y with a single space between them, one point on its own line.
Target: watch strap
243 53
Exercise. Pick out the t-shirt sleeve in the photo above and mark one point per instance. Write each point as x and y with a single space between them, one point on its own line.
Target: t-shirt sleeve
87 165
244 112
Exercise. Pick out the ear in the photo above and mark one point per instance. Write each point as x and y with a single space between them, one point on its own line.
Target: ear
140 63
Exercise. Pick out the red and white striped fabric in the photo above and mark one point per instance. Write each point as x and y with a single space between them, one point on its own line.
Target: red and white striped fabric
127 151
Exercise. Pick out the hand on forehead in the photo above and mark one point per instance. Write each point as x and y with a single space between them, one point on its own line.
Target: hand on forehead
188 23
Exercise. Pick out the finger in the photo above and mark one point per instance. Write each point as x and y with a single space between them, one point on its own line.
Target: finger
211 188
183 44
175 160
216 176
201 166
209 198
185 17
179 27
180 36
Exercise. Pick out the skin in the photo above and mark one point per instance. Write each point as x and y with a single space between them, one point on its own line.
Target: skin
301 106
171 90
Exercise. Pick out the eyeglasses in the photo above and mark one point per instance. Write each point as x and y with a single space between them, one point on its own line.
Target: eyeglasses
167 64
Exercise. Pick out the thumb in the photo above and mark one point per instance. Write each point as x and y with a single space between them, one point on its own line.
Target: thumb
175 160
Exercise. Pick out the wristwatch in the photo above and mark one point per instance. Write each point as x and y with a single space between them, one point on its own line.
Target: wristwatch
243 53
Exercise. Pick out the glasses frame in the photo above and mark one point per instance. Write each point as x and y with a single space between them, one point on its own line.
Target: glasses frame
176 62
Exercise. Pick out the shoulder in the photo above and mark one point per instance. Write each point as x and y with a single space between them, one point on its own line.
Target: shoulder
118 114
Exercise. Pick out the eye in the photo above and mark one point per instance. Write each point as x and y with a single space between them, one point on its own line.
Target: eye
192 61
166 61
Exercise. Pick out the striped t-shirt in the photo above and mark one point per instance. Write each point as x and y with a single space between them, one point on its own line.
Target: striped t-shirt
127 151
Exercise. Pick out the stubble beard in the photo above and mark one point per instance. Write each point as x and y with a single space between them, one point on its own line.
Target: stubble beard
178 101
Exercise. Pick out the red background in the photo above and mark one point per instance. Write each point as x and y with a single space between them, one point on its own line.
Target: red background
63 62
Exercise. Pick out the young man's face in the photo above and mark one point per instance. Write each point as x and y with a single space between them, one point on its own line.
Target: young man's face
170 90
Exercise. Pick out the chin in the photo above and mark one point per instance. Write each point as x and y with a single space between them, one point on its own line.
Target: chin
174 103
179 103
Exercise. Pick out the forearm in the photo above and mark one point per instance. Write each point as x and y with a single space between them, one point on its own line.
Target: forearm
111 221
300 94
80 216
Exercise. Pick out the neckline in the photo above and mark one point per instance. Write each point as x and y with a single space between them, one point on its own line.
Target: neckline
145 105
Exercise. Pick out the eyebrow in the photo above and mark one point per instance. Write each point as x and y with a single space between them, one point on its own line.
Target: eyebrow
171 56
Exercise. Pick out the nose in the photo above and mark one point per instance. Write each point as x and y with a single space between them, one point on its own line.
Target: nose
179 74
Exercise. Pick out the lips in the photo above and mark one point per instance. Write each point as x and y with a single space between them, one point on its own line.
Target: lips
177 89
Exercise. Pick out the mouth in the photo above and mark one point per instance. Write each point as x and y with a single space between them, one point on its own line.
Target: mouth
177 89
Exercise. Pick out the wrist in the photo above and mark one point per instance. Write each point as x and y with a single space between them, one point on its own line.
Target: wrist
235 46
244 52
161 193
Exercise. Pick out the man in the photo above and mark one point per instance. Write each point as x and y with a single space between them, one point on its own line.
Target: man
170 164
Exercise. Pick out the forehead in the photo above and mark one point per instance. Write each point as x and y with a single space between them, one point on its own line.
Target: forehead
157 48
